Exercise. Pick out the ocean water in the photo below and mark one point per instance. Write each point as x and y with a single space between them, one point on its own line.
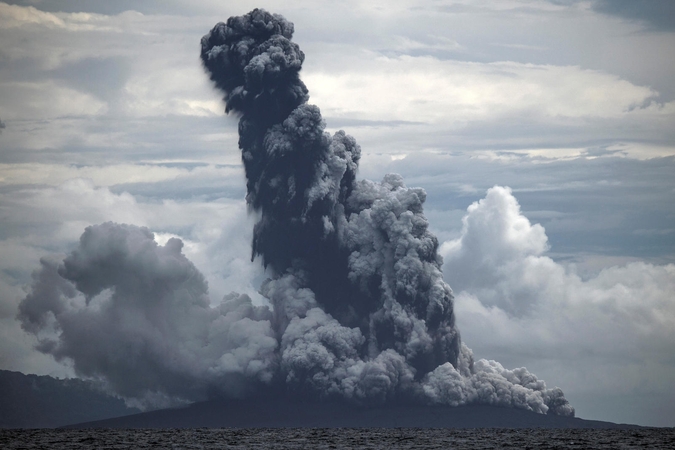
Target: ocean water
338 438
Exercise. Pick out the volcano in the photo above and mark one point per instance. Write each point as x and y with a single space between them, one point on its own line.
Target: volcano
284 413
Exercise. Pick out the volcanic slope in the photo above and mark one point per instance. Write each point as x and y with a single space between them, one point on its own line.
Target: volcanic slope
280 413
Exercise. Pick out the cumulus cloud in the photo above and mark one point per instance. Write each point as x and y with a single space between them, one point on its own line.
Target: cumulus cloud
496 239
500 260
513 299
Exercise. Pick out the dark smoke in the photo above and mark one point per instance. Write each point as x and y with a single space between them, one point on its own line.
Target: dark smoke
2 126
359 309
362 248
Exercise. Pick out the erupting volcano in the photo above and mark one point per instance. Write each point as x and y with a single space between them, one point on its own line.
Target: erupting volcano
358 309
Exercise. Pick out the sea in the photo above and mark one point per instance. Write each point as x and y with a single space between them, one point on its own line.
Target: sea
338 438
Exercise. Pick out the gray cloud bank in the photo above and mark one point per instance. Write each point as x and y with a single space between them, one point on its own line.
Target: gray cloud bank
358 305
658 15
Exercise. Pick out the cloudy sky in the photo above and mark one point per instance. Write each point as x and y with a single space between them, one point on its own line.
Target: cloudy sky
542 130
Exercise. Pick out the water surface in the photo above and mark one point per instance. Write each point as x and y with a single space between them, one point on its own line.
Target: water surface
338 438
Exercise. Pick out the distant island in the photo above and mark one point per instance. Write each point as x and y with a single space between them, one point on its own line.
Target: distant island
282 413
32 401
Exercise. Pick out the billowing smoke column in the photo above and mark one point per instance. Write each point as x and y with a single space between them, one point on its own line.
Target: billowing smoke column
360 251
359 309
363 248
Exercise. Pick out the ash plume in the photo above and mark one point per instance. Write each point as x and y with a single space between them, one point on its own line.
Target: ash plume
363 249
358 308
136 315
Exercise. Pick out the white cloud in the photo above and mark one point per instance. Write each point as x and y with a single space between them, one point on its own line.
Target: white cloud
454 92
69 205
46 100
494 236
155 48
641 150
173 89
514 302
12 16
66 37
107 175
434 42
29 17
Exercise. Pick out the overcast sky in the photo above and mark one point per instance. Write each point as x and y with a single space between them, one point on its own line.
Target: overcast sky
566 268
